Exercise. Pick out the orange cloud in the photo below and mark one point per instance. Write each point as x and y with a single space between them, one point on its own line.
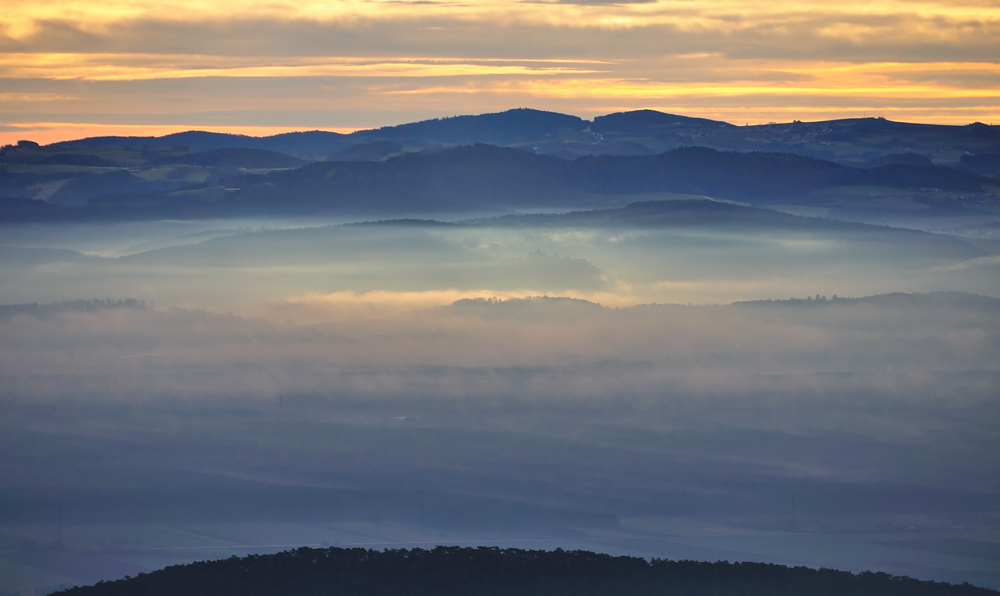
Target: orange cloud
114 67
77 60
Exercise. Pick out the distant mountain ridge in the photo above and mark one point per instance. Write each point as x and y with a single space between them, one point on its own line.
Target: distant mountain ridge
296 144
515 126
516 159
858 140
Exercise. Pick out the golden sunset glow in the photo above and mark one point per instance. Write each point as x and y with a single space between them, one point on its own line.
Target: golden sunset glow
351 64
25 17
112 67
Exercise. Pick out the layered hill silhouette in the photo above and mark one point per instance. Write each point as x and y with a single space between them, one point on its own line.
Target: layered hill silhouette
486 178
695 213
652 123
856 140
516 159
694 216
504 128
447 571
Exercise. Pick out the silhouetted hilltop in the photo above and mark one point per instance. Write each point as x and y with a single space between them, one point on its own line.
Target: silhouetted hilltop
484 571
650 122
503 128
309 145
853 141
193 140
304 145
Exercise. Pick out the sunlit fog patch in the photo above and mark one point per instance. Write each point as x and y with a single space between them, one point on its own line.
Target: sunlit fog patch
309 344
243 270
372 304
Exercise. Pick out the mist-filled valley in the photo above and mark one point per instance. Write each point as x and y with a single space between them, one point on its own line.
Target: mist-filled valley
682 378
680 251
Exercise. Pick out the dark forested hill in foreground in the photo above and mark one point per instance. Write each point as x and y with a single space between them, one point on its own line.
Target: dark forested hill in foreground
447 571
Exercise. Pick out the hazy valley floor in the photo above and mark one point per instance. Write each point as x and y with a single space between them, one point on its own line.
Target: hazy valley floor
360 385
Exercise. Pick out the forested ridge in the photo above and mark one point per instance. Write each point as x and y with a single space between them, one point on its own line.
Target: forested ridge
488 571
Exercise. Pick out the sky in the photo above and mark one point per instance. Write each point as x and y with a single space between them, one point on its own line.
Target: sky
77 68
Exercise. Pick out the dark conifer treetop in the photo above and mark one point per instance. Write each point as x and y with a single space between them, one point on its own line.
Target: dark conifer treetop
484 571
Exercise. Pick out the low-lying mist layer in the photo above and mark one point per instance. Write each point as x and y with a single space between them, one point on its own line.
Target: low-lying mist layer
686 251
416 383
890 391
129 350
